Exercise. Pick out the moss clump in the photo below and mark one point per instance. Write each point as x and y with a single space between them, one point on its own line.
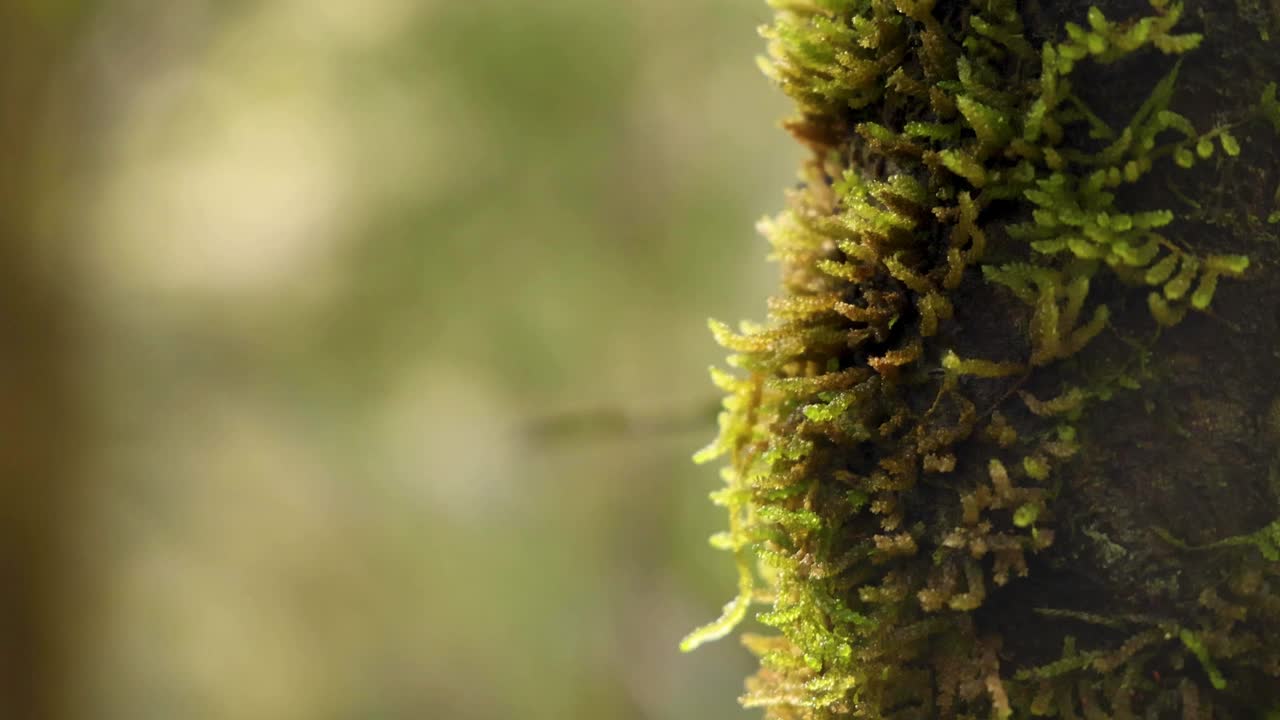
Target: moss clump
879 497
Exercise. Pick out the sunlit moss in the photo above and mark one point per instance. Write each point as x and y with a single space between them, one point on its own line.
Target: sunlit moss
857 397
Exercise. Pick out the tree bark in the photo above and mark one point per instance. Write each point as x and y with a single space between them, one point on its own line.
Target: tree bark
39 408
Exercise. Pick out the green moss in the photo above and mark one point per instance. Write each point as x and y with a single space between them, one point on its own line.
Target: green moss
883 505
1271 106
1257 13
1197 648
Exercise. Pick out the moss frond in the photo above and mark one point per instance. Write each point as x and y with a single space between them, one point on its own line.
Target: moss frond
1270 106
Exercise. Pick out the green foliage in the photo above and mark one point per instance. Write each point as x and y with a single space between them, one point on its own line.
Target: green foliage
872 588
1197 648
1271 106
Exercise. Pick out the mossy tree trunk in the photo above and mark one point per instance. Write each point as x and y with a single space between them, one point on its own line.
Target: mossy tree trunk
1010 446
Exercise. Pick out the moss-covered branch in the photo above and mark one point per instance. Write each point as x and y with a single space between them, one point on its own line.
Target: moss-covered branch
906 496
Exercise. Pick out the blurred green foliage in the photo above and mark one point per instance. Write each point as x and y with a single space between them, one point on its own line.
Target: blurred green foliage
349 262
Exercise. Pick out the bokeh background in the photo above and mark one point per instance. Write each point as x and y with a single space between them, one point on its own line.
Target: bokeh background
377 336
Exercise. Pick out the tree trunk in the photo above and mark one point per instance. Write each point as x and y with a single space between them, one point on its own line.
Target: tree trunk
39 426
1010 446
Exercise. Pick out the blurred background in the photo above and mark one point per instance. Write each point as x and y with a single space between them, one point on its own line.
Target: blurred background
352 353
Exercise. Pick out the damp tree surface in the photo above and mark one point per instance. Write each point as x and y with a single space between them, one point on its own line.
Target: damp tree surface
1008 444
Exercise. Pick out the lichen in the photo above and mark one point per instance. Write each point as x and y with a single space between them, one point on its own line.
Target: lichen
873 474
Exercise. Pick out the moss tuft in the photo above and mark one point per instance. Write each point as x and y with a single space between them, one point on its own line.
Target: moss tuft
874 472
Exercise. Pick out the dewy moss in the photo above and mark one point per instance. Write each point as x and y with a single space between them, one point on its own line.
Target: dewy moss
878 493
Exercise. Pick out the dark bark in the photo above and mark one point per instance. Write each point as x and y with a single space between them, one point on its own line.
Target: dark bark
1194 451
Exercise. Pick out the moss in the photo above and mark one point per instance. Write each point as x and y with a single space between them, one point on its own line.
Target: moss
873 472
